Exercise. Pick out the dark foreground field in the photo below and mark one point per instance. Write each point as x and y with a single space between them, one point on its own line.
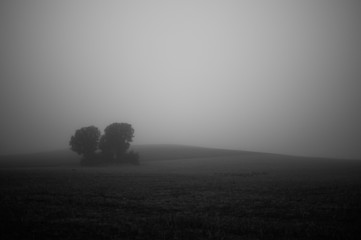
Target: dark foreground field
215 196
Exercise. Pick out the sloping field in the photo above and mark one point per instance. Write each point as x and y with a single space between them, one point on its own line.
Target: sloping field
188 159
147 153
42 159
163 152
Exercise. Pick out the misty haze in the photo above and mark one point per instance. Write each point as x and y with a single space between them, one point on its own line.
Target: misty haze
167 119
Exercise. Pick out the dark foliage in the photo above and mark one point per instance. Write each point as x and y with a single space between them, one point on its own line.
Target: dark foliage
85 141
116 140
113 145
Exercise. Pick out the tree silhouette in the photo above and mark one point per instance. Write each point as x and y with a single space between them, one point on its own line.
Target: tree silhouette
116 140
85 141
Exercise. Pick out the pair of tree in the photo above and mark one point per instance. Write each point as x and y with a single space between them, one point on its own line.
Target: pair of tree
114 143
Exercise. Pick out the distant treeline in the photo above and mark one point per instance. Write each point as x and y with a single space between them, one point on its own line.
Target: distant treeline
111 147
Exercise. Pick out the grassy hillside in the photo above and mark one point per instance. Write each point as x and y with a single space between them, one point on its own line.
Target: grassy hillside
186 159
160 152
147 152
41 159
189 159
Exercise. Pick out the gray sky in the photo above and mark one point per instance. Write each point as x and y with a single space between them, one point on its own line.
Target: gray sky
274 76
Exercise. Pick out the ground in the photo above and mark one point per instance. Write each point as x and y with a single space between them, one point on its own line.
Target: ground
218 197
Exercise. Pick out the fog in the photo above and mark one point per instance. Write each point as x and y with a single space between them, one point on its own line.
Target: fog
270 76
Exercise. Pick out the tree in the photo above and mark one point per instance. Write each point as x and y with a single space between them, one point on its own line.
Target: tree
85 141
116 140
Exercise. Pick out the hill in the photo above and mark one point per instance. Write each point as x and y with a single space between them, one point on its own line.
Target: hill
190 159
160 152
54 158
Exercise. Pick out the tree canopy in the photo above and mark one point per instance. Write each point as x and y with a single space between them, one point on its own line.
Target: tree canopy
116 140
114 144
85 141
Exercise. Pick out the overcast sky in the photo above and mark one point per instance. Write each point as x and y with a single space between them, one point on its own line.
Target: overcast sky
273 76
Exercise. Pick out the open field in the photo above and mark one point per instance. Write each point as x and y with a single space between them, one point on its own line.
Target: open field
184 193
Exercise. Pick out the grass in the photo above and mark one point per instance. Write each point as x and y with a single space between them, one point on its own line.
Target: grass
183 199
